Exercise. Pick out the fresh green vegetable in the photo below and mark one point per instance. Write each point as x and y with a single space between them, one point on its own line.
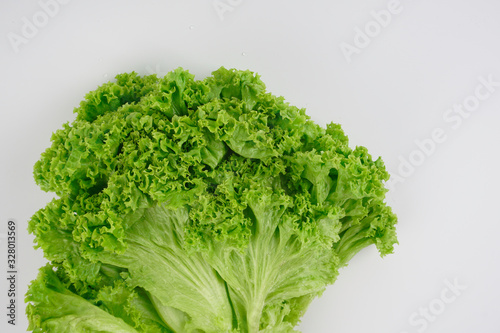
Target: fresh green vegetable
197 206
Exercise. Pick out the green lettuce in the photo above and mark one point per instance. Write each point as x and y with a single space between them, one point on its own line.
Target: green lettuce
198 206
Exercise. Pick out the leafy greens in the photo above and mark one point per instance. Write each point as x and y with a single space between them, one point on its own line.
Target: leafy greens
197 206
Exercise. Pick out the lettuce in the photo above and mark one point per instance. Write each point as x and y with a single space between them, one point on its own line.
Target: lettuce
197 206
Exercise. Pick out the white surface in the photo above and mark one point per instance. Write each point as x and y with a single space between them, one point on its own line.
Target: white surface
395 91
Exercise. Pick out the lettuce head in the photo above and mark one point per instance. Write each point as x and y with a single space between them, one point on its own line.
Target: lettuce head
203 206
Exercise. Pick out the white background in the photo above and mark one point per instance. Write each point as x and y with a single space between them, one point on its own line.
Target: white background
394 91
